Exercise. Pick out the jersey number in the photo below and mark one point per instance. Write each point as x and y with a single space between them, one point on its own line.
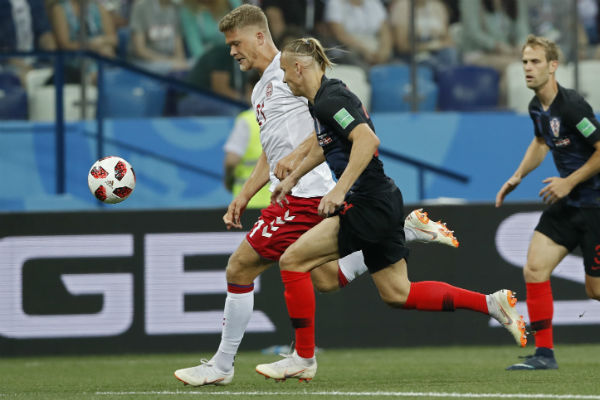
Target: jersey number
260 115
273 226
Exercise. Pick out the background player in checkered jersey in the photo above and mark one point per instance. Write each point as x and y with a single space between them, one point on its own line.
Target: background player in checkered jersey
285 124
563 123
364 212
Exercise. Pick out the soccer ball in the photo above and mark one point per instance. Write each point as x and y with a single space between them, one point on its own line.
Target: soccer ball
111 179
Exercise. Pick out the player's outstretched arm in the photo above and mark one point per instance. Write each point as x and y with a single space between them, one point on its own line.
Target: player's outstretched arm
258 178
313 158
535 154
364 146
287 164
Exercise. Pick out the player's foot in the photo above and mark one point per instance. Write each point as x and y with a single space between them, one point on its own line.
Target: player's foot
536 361
292 366
501 306
204 374
425 230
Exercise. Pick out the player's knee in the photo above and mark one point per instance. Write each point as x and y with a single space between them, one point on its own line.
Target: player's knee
593 292
232 272
236 271
325 286
394 299
535 272
288 260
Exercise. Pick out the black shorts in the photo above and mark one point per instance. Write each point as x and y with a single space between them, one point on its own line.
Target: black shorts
375 225
574 226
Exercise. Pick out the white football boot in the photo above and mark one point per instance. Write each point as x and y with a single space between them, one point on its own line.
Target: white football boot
501 306
204 374
292 366
428 231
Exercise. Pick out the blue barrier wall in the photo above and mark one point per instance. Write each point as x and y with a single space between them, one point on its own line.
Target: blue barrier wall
487 147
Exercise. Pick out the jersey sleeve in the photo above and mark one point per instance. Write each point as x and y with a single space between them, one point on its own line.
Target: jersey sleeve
238 139
584 120
536 125
340 113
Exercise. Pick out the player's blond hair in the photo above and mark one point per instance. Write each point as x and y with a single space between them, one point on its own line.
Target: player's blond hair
310 47
243 16
550 48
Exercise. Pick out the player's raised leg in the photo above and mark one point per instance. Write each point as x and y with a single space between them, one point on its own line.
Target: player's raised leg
417 227
397 291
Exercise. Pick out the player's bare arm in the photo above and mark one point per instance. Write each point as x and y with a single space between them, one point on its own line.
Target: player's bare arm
535 154
558 187
364 145
258 178
287 164
231 161
313 158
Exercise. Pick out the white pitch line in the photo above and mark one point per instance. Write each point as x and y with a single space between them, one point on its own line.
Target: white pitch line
366 394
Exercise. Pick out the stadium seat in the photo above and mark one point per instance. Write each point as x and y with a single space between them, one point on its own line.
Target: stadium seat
468 88
42 102
589 82
194 105
391 88
518 95
13 97
36 78
356 80
131 95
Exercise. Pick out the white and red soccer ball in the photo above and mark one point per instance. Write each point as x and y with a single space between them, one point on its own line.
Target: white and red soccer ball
111 179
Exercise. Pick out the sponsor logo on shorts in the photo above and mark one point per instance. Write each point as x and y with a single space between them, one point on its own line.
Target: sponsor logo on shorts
585 127
343 118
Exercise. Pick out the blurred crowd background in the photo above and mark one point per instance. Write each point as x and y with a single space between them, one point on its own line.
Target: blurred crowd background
466 52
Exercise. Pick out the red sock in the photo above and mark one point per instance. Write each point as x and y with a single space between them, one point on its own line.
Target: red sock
541 310
440 296
300 299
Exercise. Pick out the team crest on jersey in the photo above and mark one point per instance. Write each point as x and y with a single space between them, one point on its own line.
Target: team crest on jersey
555 126
269 89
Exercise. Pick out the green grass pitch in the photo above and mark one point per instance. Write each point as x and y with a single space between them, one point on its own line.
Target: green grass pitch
406 373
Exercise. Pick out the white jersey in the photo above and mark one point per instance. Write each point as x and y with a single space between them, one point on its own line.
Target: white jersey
285 123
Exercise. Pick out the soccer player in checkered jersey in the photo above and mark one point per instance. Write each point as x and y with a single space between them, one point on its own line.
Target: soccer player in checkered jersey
564 123
364 211
285 125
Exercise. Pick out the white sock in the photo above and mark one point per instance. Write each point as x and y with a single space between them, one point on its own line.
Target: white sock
409 234
353 265
493 309
236 315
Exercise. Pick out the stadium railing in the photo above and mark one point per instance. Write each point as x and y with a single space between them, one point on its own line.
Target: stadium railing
59 82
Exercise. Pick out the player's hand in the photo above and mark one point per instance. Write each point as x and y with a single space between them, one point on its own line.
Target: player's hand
330 203
556 189
285 166
508 187
284 187
234 212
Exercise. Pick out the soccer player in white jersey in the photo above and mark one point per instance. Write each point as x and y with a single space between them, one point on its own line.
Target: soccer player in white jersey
285 125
